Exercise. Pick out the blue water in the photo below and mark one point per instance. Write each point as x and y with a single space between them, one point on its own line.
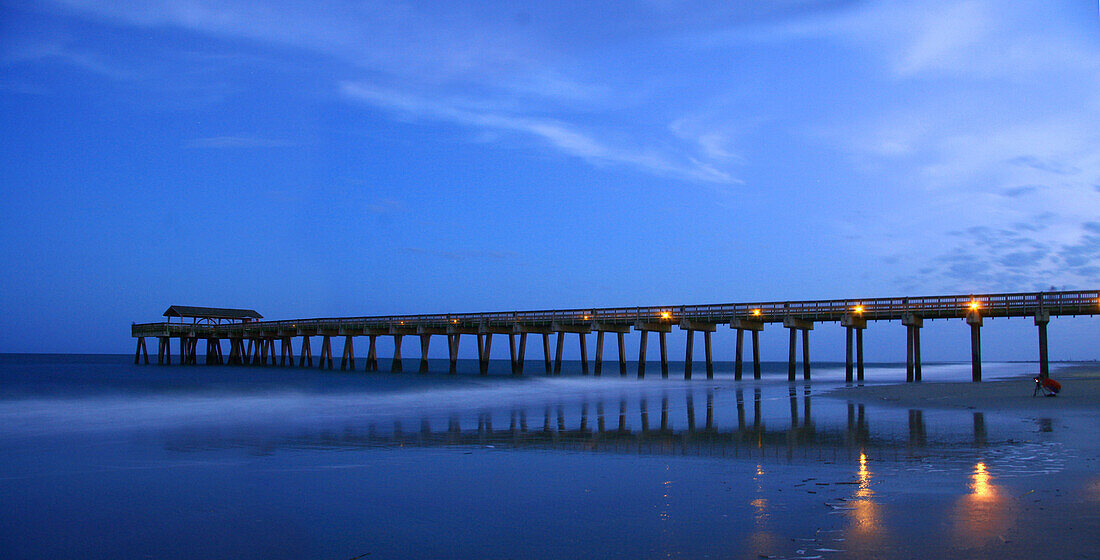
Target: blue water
104 459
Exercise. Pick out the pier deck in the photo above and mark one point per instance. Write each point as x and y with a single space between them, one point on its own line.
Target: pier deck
797 316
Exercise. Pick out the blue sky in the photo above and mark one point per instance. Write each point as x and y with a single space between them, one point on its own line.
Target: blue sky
370 158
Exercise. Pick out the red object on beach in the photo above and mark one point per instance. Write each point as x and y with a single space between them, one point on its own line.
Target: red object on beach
1047 386
1052 385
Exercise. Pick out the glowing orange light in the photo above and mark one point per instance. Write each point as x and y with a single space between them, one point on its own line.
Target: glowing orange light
454 320
981 485
858 309
974 306
665 314
586 317
756 312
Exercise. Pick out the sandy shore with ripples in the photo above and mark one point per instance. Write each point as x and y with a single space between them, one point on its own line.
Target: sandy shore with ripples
1080 389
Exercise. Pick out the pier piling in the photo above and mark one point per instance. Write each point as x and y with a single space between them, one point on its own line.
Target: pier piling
974 319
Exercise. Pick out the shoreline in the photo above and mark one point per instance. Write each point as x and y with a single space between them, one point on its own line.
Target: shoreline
1080 391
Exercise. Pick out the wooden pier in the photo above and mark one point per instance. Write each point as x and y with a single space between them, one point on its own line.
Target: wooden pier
252 341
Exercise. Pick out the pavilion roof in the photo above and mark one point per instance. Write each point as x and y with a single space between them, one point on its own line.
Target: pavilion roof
211 312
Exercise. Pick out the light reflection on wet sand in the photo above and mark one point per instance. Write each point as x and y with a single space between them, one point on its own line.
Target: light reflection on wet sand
983 514
864 457
890 441
865 528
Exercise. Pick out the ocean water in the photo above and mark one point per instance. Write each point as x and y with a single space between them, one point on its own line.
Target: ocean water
100 458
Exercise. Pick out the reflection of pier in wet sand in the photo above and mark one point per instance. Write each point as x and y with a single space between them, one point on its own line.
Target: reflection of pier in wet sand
647 425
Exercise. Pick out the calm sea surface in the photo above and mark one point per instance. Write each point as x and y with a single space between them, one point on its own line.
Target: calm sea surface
103 459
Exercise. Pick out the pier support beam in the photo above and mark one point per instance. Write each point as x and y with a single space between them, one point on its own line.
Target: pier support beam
584 352
1042 317
235 351
691 327
305 358
661 335
913 325
372 353
599 353
622 353
662 329
742 325
618 329
286 351
348 359
395 363
549 362
213 346
518 355
688 358
164 350
326 351
853 324
581 329
425 341
557 353
974 319
141 349
484 344
796 325
452 352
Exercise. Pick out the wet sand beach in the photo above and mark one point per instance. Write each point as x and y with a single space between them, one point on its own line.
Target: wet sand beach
1047 515
105 460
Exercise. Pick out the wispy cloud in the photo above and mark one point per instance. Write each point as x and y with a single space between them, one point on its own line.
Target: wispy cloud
554 133
60 51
